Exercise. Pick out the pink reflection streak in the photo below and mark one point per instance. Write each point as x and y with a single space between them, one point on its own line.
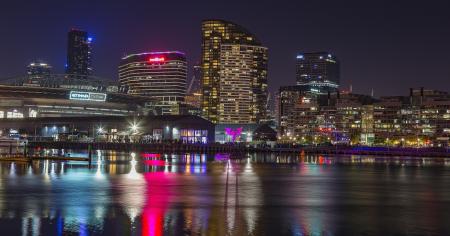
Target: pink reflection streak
155 162
157 202
153 159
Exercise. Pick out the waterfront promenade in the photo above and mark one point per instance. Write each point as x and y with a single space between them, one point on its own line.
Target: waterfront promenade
175 147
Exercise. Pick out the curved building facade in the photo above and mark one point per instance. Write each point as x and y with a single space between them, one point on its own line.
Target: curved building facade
18 102
160 76
234 78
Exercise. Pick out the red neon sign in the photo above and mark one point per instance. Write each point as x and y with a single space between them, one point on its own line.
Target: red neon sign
157 59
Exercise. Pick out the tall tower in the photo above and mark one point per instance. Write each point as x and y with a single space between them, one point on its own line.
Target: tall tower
319 71
79 55
234 78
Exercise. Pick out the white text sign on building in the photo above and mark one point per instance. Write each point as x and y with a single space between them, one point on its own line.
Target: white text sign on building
87 96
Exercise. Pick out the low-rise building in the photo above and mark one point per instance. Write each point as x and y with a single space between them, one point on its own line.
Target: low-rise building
184 128
420 119
30 102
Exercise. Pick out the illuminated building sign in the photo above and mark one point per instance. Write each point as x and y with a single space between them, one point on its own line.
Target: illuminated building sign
87 96
156 59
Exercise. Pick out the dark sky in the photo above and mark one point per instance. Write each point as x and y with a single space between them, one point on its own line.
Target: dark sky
385 45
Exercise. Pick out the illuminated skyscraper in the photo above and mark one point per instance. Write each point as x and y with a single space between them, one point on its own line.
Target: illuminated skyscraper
319 72
79 55
234 78
37 71
161 76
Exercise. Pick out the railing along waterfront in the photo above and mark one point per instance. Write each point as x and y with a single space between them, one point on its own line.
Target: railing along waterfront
177 147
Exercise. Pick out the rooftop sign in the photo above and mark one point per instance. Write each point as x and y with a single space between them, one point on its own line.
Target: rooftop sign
157 59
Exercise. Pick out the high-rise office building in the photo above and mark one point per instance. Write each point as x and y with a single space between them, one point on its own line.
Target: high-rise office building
318 72
234 77
37 71
79 57
161 76
195 84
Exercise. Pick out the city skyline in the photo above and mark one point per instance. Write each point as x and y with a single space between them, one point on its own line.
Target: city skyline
224 117
378 48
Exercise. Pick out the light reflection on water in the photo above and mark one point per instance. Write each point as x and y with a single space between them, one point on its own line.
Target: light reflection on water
272 194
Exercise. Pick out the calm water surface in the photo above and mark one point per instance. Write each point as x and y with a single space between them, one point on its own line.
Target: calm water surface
152 194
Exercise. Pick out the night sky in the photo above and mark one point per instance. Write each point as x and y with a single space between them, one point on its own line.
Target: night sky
385 45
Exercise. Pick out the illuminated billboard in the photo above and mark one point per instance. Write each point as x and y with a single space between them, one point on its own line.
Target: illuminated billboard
87 96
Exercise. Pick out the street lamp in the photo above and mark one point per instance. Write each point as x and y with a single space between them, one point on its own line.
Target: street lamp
134 128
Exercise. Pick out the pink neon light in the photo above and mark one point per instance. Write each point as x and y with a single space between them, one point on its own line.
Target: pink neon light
234 133
157 59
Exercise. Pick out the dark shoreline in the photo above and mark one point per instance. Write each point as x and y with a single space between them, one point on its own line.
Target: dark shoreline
239 149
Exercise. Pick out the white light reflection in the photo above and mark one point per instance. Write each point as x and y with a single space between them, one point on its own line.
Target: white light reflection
132 195
36 225
52 169
98 173
133 173
30 170
62 168
12 170
45 171
229 170
248 167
